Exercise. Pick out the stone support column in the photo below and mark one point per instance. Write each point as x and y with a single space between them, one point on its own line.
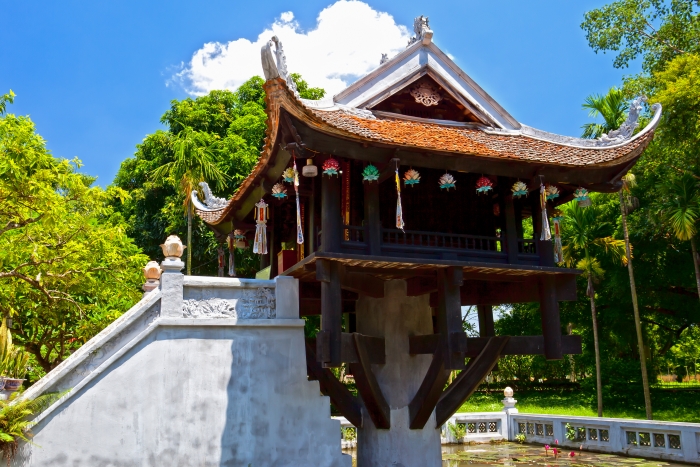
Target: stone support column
172 280
396 317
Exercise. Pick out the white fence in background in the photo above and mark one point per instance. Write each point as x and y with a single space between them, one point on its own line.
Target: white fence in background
652 439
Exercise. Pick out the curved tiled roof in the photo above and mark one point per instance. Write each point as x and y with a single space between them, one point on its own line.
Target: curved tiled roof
531 146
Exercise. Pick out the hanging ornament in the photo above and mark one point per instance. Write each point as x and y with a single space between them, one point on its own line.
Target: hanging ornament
399 209
240 239
309 170
484 185
279 191
447 181
546 234
231 243
300 229
552 192
558 249
288 175
519 189
370 174
581 196
261 216
330 167
411 177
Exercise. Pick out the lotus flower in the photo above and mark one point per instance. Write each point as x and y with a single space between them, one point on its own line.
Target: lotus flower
546 449
555 452
572 454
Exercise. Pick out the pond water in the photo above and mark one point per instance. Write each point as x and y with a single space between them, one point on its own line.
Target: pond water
515 455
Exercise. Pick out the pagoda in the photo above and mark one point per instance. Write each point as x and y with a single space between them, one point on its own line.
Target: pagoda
406 196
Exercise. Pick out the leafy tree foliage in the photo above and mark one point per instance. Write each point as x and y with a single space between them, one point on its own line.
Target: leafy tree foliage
656 30
67 267
229 127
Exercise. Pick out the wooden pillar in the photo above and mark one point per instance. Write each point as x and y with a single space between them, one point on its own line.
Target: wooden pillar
486 326
452 336
330 214
373 222
511 230
310 237
549 313
329 339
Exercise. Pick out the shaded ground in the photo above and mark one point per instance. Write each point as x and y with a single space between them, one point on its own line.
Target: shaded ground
677 406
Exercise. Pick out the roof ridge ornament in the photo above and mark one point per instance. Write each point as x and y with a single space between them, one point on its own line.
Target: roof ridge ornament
385 58
274 63
626 130
423 32
211 202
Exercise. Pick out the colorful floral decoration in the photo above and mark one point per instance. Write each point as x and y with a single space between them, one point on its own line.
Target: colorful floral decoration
519 189
262 214
288 175
558 249
447 181
411 177
240 239
370 174
279 191
484 185
331 167
231 244
581 196
552 192
546 233
399 209
300 229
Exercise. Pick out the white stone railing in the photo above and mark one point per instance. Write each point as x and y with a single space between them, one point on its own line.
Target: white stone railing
644 438
480 427
652 439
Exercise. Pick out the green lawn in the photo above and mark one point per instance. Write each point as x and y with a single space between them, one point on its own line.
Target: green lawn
678 406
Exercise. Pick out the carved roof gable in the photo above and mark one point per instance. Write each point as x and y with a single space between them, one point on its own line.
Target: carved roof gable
420 62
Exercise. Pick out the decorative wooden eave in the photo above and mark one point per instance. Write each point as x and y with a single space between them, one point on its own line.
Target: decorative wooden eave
534 148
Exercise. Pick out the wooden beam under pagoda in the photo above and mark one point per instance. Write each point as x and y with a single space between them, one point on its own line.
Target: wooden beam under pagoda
367 385
551 322
468 380
329 339
421 406
517 345
450 317
340 396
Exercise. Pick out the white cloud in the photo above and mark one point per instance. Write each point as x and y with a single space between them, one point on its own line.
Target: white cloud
346 43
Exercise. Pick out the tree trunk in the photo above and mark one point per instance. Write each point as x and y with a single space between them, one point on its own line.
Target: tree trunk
598 382
695 263
635 307
189 239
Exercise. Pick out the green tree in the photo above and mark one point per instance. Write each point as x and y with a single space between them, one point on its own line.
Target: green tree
656 30
193 162
681 208
235 122
613 108
67 267
590 238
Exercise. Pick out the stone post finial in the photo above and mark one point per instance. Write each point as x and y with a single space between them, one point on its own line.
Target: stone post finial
172 280
508 401
152 273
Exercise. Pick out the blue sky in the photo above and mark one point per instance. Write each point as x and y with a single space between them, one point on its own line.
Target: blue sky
96 76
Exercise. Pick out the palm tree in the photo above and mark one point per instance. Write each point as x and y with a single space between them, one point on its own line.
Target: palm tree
612 107
589 238
628 182
681 208
193 162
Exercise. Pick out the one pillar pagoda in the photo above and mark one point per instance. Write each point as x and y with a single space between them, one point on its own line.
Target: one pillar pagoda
429 196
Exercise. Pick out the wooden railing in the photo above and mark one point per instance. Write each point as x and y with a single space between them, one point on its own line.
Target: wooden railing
527 246
353 233
440 241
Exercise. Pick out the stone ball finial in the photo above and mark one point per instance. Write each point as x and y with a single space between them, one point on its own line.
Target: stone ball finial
152 270
173 247
508 392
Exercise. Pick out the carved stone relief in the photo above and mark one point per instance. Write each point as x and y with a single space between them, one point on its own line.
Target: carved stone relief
252 304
